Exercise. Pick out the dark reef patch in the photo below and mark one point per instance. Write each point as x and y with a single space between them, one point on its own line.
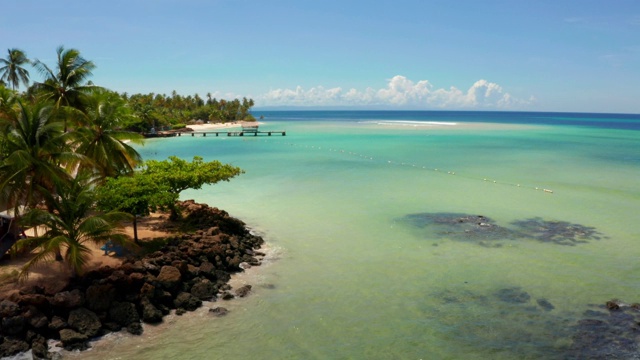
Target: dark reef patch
508 323
513 295
461 227
486 232
503 323
610 332
558 232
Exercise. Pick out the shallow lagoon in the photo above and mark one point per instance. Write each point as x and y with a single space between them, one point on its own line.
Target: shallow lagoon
349 277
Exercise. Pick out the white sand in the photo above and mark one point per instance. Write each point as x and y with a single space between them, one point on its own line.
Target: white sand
234 124
215 126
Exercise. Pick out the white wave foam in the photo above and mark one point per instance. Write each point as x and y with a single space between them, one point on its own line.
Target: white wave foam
408 123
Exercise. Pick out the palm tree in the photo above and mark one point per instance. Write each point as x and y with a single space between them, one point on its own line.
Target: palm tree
71 226
68 84
8 100
35 147
12 71
101 139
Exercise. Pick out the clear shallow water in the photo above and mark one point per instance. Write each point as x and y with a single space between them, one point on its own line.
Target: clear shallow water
349 277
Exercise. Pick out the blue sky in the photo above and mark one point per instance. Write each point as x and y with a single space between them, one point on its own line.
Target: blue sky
541 55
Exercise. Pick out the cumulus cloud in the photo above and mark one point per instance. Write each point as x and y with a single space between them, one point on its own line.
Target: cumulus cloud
399 92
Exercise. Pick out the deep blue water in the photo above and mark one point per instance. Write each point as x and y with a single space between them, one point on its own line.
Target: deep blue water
606 121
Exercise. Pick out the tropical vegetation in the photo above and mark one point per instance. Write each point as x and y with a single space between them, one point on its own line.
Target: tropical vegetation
67 165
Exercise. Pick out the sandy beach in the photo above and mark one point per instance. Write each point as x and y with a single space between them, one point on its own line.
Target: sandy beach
49 274
217 126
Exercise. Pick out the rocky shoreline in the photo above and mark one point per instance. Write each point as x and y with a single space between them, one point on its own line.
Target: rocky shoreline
189 269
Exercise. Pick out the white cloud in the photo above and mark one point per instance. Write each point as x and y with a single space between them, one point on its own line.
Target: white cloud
400 92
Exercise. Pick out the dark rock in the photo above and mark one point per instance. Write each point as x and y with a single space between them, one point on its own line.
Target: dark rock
227 295
84 321
613 305
112 326
99 297
9 308
13 325
57 323
219 311
40 349
72 340
124 313
10 347
135 328
148 291
164 309
35 317
243 291
180 311
187 301
207 270
150 314
204 290
169 277
150 267
68 299
33 299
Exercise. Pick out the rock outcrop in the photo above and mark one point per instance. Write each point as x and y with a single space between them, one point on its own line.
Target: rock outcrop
189 269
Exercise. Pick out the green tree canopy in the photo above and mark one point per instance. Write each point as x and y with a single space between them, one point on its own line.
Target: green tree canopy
36 148
179 174
101 138
137 195
67 85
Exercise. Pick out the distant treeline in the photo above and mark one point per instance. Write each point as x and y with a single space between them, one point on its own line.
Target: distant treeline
66 85
161 111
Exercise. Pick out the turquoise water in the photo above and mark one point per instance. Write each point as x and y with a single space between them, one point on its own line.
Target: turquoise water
354 270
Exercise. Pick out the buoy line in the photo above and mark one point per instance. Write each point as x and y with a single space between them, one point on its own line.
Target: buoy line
398 163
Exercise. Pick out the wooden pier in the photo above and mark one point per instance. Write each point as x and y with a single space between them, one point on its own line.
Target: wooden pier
235 133
248 129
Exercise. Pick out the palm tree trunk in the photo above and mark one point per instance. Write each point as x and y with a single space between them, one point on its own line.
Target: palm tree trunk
135 229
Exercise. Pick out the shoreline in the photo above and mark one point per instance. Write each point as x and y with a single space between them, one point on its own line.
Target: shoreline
216 126
192 268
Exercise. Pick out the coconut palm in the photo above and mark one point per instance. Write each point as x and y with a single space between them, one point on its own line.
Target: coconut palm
35 147
67 85
101 139
13 71
8 100
71 226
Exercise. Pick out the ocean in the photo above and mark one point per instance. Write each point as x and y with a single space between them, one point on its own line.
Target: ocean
417 235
